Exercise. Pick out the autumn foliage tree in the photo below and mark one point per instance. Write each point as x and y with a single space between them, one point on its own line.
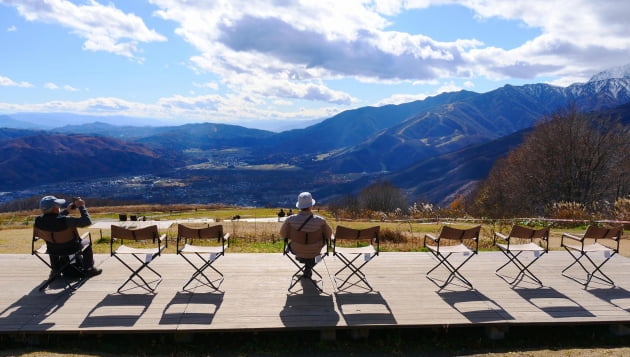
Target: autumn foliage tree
382 196
568 157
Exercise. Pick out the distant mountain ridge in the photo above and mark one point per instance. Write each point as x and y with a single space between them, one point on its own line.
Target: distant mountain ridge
472 120
433 149
47 158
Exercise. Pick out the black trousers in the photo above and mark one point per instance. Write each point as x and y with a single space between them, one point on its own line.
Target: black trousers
86 259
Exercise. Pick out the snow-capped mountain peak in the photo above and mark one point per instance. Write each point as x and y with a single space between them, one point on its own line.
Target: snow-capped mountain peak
616 72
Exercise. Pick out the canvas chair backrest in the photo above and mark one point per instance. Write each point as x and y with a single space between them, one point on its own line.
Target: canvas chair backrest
371 233
459 234
145 233
521 232
67 235
593 232
306 244
213 232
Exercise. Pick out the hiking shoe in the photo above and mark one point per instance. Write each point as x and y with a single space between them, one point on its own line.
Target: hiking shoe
93 272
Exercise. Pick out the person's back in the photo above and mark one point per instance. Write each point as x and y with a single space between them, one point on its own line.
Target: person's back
53 219
306 221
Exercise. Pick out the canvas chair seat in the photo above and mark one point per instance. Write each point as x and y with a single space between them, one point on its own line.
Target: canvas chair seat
527 247
452 241
585 249
588 248
141 256
69 262
300 246
187 248
123 249
354 248
204 245
518 243
457 249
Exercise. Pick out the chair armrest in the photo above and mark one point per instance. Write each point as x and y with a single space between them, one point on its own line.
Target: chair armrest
430 236
163 238
285 245
86 235
226 237
500 236
570 236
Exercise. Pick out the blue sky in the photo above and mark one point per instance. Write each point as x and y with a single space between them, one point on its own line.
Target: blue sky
250 62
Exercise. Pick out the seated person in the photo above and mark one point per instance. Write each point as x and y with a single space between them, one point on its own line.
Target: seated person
54 219
306 221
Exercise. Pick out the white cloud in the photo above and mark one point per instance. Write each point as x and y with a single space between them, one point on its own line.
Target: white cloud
401 98
104 28
329 39
11 29
282 102
211 85
577 38
406 98
8 82
204 108
51 86
266 52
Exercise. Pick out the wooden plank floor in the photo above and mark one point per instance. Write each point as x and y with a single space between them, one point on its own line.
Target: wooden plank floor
254 297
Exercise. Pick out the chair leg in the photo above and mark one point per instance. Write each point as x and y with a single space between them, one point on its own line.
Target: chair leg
136 273
354 271
299 275
596 272
522 267
58 273
199 271
453 271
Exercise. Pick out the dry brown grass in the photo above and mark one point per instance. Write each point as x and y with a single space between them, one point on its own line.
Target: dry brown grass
254 237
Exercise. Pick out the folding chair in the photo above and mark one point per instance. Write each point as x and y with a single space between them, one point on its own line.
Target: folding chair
206 253
69 263
301 246
451 241
522 240
594 240
138 237
364 243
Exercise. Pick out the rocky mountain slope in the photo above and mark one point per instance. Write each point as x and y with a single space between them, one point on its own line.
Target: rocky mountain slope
434 149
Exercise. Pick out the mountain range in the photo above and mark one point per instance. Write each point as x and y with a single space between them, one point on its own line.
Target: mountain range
434 149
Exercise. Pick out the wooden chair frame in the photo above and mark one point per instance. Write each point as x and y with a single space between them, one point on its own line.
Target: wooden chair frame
69 260
305 245
594 240
206 254
349 256
522 240
144 256
443 248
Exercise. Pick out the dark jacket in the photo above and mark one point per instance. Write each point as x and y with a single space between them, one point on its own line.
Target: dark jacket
58 222
55 223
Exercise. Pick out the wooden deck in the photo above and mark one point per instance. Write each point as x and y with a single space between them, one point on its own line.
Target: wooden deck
254 297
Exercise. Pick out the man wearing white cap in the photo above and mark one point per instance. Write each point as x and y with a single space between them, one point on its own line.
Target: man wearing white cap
306 221
54 219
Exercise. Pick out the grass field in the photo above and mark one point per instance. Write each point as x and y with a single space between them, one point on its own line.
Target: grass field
256 237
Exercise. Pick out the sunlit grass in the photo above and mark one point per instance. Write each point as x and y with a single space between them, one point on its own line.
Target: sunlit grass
248 237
